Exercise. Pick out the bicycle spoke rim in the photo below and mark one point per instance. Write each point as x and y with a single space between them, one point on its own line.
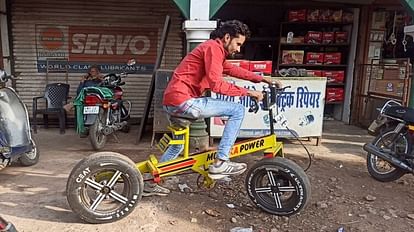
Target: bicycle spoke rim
275 188
106 191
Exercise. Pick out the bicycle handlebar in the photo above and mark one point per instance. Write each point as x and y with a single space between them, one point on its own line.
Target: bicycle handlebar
267 100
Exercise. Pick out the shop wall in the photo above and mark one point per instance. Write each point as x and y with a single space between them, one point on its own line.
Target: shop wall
91 32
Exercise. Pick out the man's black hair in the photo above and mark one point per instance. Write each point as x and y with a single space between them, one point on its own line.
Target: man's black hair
94 66
232 27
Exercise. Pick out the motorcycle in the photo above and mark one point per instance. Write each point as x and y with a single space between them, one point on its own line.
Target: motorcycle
390 154
101 111
16 142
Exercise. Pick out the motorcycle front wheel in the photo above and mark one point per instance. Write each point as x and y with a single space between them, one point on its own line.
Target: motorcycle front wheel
380 169
96 136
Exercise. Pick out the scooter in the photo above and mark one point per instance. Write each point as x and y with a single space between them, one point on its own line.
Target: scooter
16 142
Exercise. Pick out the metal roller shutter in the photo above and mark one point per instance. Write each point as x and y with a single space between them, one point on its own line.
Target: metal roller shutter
94 19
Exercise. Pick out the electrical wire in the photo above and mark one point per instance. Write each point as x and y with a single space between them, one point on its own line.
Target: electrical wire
306 149
294 135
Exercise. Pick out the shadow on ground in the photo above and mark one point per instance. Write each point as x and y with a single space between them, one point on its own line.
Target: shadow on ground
338 177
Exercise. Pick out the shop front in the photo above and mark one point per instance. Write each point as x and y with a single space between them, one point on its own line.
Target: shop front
346 42
309 45
55 41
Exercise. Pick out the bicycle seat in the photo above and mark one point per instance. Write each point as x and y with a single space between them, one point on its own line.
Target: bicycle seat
180 121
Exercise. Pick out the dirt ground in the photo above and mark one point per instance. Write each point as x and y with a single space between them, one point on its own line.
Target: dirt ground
343 194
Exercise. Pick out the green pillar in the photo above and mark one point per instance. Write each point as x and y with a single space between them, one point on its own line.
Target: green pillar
215 6
184 6
192 46
411 100
199 138
409 5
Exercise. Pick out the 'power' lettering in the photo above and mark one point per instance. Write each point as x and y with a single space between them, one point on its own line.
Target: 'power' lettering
251 145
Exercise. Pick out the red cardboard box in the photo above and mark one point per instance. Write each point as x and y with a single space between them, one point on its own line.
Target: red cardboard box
341 37
314 58
332 58
328 37
313 37
264 66
334 76
334 94
314 73
297 15
240 63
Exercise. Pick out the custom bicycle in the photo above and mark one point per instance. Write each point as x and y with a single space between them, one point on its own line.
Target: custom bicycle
107 186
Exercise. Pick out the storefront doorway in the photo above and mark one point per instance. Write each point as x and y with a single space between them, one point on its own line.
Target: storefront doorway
384 60
307 38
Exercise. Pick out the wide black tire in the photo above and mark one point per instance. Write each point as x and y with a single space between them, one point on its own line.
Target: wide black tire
278 186
97 138
32 157
104 187
403 145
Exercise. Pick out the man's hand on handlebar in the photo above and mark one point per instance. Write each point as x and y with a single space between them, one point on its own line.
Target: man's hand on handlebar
271 81
255 94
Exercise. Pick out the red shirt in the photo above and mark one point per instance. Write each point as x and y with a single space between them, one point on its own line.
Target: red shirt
203 69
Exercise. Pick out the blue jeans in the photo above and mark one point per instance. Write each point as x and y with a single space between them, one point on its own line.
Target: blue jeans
206 107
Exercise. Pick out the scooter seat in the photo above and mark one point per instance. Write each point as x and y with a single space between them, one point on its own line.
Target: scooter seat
180 121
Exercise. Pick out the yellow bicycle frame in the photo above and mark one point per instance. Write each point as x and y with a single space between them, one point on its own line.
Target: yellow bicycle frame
199 162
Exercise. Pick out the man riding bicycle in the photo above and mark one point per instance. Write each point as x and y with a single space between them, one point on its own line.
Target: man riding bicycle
202 69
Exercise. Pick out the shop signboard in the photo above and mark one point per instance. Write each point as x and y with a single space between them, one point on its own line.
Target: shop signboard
74 48
299 109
